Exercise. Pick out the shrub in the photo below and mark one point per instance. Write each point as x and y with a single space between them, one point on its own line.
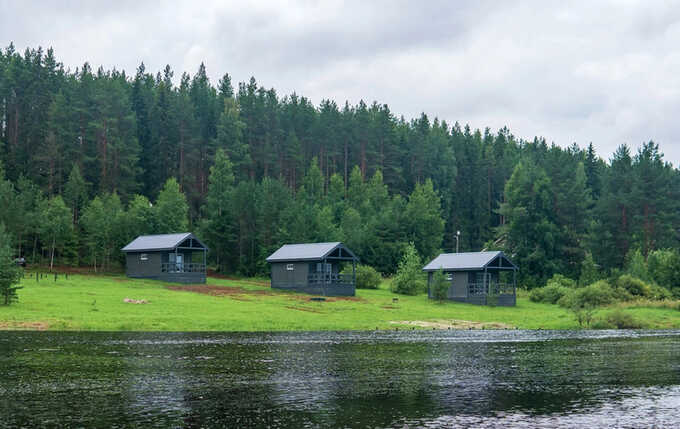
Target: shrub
583 315
636 264
549 294
664 267
439 286
659 293
622 320
594 295
367 277
409 278
633 285
560 280
602 324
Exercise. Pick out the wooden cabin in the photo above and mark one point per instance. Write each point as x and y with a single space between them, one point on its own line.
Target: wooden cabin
178 258
477 277
314 268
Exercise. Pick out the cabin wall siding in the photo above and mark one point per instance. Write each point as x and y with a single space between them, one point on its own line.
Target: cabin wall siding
151 268
459 285
458 291
134 267
297 280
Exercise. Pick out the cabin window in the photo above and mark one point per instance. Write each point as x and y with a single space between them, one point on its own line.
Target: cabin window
449 276
319 267
143 257
290 267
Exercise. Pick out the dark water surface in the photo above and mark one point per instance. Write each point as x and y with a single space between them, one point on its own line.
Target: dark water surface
341 379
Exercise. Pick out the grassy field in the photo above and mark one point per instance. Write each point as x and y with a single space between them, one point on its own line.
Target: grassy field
88 302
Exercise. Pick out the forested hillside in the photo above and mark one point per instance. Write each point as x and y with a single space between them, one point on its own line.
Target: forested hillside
93 158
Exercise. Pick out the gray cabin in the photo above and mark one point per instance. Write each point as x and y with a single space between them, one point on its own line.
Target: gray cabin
477 277
314 268
178 258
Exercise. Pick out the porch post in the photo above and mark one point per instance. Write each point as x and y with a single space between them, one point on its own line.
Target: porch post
354 272
323 276
486 281
176 266
205 267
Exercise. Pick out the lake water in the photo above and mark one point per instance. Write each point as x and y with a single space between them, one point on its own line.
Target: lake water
341 379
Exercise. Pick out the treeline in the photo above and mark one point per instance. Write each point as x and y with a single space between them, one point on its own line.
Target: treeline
255 170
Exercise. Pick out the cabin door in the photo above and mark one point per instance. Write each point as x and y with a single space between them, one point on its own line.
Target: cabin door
176 262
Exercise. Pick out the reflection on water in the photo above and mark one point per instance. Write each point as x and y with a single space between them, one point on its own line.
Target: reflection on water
370 379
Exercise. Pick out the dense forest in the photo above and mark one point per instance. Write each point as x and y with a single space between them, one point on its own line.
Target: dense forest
90 159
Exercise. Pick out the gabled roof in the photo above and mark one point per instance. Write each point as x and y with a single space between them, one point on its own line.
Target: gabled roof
160 242
308 252
468 261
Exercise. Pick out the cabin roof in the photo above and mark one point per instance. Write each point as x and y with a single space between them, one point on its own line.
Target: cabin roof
160 242
308 252
468 261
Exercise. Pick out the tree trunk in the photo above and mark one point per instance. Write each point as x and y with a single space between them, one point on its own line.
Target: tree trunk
52 257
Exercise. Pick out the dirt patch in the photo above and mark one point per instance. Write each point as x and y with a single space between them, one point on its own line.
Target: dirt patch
215 290
27 326
389 307
310 310
212 273
452 324
303 297
233 291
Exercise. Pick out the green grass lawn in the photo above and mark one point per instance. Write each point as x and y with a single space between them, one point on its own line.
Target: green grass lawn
89 302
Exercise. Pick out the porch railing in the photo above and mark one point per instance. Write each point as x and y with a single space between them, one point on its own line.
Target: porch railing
491 289
329 278
174 267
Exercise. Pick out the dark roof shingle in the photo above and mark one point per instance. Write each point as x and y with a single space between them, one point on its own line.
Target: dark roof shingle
304 252
463 261
158 242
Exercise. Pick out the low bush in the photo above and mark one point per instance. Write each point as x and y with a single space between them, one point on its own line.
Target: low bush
367 277
439 286
621 320
549 294
601 323
633 285
659 293
595 295
560 280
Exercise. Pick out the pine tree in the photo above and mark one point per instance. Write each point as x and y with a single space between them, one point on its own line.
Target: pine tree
219 220
530 232
409 278
171 209
75 192
425 226
10 273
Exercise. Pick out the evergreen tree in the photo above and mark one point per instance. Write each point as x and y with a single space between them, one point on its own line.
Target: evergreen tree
219 221
10 273
171 209
440 286
425 226
530 232
75 192
409 278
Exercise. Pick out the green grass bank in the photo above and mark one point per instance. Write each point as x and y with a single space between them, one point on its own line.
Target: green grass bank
97 302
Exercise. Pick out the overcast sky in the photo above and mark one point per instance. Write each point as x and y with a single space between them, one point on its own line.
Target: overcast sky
569 71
